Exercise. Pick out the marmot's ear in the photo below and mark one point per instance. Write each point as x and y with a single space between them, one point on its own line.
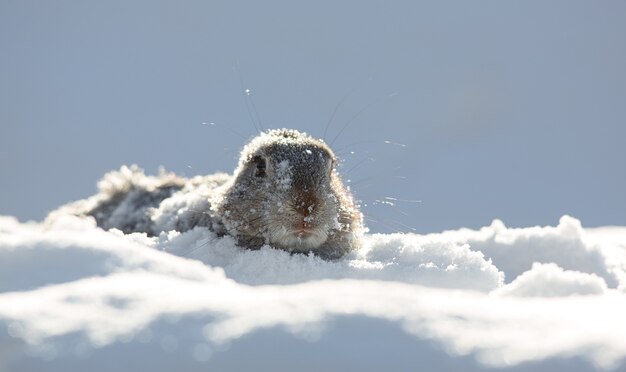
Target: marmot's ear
261 166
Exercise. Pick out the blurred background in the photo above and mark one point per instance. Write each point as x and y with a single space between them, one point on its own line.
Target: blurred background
480 110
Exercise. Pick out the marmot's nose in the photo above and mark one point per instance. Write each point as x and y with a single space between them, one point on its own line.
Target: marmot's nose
306 202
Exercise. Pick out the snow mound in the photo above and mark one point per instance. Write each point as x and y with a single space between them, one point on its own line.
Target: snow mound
549 280
76 297
514 250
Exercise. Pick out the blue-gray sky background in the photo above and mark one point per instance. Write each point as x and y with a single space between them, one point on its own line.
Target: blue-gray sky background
512 110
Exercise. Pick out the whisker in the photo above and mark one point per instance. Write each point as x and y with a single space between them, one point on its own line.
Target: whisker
332 116
394 229
404 225
395 143
214 125
359 113
256 112
246 93
369 218
360 181
402 200
347 172
342 150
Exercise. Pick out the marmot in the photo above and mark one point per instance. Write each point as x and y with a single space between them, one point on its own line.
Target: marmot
285 192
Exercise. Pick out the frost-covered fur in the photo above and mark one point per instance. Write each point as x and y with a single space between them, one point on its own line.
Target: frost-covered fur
285 193
300 204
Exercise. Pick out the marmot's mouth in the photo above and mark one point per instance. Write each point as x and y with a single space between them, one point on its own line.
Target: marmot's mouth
301 230
302 235
301 238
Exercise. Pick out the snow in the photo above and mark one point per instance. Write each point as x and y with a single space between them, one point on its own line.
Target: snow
74 297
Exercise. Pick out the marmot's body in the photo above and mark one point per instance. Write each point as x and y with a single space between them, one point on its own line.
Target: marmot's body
285 193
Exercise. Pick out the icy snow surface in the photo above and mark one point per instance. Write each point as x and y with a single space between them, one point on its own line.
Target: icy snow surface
74 297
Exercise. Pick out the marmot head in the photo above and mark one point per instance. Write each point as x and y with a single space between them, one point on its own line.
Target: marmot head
287 193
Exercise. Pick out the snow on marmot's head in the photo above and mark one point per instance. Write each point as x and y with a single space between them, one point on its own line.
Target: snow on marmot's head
286 193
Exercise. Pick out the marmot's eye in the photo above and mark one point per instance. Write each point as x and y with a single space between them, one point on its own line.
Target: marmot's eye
331 167
261 165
